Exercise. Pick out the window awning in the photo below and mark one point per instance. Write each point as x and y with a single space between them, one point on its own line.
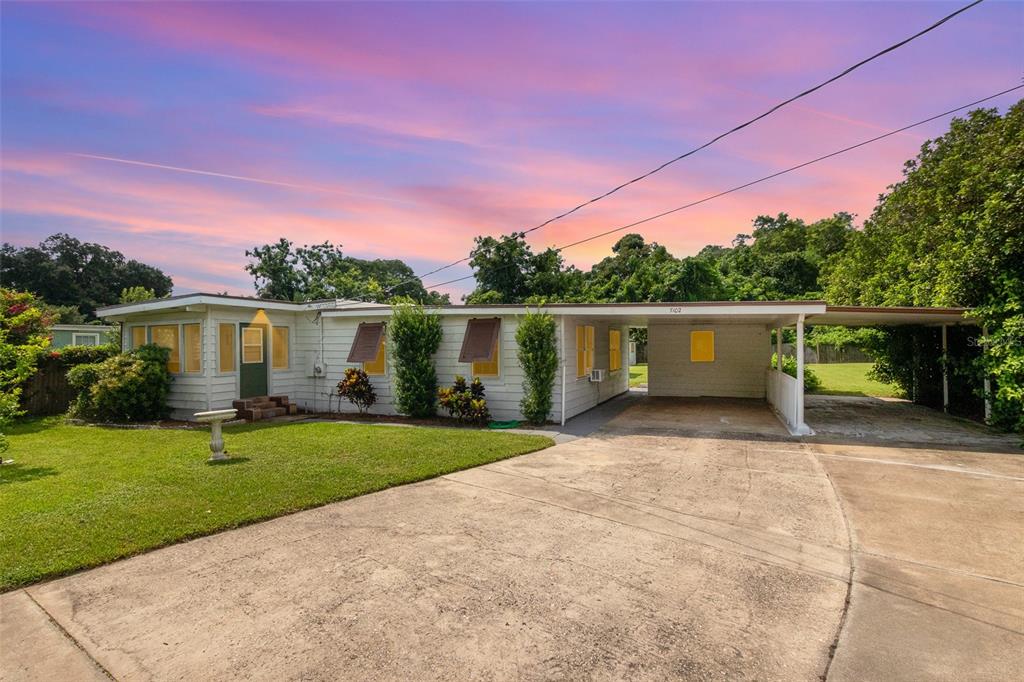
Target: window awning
367 342
481 335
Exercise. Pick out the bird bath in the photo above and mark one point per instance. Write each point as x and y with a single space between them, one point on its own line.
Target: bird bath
215 418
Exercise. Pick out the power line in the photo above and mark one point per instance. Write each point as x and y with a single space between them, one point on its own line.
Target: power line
737 128
760 180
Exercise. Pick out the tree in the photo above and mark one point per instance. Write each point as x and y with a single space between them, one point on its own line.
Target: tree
537 343
951 233
783 258
318 271
64 271
137 295
641 272
414 335
508 271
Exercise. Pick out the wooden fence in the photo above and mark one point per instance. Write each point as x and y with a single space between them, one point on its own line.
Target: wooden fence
47 391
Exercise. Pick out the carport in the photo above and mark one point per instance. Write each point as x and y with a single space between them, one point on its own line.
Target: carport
723 349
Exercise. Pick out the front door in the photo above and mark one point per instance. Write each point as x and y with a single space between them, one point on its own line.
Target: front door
253 373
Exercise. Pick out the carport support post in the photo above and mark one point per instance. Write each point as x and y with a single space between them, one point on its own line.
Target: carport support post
800 425
945 371
778 349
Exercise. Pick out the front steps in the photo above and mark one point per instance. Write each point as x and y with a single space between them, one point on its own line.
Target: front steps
264 407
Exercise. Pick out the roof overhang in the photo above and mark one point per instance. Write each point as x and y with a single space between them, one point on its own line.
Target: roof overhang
199 302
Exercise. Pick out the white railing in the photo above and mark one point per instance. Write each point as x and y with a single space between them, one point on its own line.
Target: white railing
786 398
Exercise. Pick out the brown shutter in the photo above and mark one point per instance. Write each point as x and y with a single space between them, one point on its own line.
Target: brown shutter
367 341
478 343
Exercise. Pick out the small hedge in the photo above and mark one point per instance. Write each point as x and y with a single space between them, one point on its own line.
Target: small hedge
129 387
538 356
812 382
69 356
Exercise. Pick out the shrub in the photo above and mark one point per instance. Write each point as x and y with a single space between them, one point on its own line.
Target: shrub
355 386
413 337
23 339
69 356
538 356
129 387
811 380
465 402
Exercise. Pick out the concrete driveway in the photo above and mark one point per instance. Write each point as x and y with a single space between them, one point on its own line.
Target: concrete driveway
685 539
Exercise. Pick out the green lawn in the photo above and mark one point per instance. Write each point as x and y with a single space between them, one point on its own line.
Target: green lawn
79 496
637 375
850 378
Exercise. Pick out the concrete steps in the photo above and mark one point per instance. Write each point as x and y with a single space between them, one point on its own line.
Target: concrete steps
264 407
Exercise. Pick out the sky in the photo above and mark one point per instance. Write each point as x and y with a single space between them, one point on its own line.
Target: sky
182 134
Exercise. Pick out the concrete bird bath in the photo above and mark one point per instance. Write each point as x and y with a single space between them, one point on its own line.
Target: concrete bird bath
215 418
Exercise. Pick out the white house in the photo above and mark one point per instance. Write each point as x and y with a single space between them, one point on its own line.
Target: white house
226 348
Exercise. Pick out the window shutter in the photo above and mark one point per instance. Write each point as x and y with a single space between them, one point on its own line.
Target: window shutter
279 355
480 340
367 342
138 336
581 351
193 347
226 347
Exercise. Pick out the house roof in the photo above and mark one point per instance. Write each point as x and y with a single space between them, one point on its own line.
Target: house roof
766 312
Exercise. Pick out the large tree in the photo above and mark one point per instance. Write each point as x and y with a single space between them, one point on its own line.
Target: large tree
508 271
783 258
302 273
951 233
64 271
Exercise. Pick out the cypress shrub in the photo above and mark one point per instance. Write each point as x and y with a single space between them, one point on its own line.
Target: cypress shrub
414 335
538 356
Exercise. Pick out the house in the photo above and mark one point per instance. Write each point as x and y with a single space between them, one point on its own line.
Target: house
229 348
80 335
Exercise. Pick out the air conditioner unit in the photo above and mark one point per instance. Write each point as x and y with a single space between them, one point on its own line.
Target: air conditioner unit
596 375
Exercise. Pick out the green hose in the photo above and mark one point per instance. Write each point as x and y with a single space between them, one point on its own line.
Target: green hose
503 425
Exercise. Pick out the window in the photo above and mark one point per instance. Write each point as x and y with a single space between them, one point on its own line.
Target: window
702 346
377 366
584 350
252 345
166 335
193 347
85 339
614 349
280 348
226 347
138 336
488 367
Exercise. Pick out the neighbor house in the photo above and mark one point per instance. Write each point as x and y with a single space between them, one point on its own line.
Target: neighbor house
226 349
79 335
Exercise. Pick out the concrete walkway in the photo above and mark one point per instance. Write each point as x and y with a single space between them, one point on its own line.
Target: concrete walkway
685 539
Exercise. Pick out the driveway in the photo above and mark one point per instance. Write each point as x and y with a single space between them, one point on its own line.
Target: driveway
685 539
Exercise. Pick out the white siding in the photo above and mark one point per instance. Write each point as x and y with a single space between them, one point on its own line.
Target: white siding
580 393
741 356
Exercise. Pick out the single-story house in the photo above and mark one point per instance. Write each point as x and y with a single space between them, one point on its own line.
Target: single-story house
79 335
227 348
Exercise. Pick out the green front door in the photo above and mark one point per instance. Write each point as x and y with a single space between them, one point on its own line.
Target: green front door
253 374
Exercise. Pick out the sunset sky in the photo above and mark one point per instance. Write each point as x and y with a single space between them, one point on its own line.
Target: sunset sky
404 130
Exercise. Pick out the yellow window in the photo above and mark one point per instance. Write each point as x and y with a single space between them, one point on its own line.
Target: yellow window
590 348
138 336
488 367
378 366
614 349
166 335
702 346
252 345
226 347
584 350
193 347
280 350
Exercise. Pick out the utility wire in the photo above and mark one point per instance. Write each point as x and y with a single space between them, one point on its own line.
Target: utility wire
759 180
737 128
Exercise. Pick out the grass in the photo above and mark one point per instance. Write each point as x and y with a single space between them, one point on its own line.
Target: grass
637 375
79 496
850 378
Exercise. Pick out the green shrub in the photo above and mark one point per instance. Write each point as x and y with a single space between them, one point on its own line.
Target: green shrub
538 356
465 402
24 336
129 387
69 356
812 382
413 337
355 386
